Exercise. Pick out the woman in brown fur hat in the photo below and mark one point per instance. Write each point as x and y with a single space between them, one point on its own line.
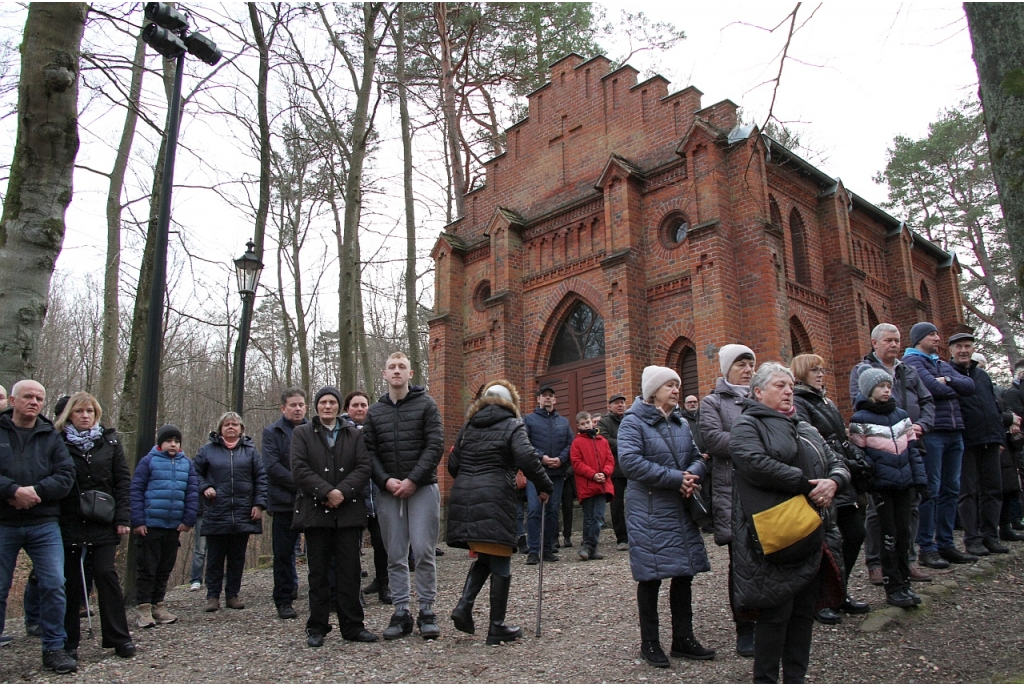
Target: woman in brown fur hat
491 447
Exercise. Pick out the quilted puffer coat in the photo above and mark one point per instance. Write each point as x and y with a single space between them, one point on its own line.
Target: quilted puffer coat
886 434
813 407
718 411
654 451
771 467
241 484
491 447
405 439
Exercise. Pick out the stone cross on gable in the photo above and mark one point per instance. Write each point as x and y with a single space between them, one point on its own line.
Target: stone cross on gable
566 133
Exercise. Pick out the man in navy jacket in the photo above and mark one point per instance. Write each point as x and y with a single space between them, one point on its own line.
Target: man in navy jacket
552 436
277 460
944 448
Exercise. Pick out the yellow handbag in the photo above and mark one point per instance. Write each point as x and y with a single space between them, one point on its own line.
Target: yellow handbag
789 531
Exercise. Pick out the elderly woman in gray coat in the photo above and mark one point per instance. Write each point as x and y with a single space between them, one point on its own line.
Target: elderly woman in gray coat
658 456
777 457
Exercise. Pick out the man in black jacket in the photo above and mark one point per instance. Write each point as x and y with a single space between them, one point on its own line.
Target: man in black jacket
405 439
277 445
985 426
36 471
608 426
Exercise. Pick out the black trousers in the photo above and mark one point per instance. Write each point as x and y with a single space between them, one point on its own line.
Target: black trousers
981 493
680 597
568 502
893 507
380 552
113 621
740 623
783 633
284 537
340 546
225 550
157 552
850 521
619 510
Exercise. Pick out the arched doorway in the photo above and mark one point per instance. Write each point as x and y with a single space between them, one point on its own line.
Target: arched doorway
683 358
576 364
799 341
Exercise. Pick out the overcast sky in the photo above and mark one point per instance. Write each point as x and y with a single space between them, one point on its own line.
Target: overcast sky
857 75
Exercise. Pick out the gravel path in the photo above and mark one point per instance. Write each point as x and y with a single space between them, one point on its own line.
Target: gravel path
590 634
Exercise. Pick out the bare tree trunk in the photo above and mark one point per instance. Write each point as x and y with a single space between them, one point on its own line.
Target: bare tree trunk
300 312
39 190
111 277
996 30
448 108
411 314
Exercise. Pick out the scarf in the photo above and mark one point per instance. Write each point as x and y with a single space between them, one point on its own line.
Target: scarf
592 432
883 408
83 440
790 413
741 390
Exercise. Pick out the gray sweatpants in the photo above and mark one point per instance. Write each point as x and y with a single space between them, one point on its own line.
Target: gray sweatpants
411 523
873 537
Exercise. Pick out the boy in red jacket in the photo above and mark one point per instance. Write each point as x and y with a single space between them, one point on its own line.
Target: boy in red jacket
592 464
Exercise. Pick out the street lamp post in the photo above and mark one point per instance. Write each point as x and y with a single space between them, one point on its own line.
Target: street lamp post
247 268
168 35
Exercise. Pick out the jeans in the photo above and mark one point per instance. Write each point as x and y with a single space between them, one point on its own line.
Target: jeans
198 552
981 493
228 548
286 579
30 600
593 520
45 547
619 509
550 516
942 459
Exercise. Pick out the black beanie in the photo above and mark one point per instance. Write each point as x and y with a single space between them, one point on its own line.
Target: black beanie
327 390
166 433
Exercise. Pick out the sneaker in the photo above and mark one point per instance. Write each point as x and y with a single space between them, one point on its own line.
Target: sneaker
594 554
653 654
59 661
195 586
126 650
583 554
427 623
286 611
161 615
363 636
690 648
5 640
993 546
400 625
955 556
622 546
932 560
532 559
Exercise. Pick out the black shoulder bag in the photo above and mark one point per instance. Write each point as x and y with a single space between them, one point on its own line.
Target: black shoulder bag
696 504
95 506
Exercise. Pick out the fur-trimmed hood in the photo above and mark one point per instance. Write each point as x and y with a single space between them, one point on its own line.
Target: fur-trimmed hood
488 400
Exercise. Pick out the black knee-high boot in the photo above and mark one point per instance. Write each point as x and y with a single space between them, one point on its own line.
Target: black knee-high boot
462 614
498 631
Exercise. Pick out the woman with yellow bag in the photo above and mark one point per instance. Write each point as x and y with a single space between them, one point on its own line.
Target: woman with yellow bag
784 529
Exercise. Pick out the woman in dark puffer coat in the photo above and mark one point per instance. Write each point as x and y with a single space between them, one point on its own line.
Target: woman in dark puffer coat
99 465
777 456
664 466
234 484
816 409
491 447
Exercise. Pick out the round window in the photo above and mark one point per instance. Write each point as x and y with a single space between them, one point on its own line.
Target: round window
481 295
674 230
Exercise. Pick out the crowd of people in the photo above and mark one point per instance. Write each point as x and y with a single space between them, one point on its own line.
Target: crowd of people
766 464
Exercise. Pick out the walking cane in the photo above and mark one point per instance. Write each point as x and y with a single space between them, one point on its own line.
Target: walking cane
85 591
540 570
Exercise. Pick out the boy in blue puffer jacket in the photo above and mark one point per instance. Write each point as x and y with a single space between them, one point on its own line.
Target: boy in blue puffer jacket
164 504
886 434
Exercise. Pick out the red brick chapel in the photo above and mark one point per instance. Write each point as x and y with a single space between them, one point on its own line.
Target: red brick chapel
625 225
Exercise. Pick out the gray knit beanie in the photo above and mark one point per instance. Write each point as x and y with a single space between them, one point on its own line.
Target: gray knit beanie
728 355
870 378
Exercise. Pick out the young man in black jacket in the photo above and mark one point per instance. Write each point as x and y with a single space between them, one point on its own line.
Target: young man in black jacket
277 445
405 439
36 472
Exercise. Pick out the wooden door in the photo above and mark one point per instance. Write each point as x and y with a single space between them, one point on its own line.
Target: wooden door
579 386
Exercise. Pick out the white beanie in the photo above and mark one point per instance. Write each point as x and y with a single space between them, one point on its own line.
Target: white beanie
728 354
654 377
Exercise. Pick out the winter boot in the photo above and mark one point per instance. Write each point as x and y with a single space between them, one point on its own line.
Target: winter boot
462 614
145 616
745 639
161 615
499 632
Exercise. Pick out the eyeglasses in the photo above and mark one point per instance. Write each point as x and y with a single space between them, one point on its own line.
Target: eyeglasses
818 369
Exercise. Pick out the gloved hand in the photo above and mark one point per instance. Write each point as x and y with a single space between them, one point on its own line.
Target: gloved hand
923 493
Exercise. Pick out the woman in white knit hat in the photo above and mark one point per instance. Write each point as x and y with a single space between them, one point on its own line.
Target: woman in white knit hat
658 456
718 411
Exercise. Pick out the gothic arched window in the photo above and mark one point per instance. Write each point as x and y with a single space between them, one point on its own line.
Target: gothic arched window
798 235
580 337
